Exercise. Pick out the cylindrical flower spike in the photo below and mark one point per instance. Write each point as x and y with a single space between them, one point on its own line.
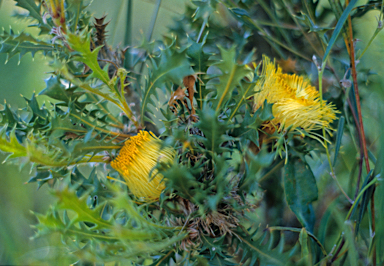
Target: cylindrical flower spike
136 161
296 103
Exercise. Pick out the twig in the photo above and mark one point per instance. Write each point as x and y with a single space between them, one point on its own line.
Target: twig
361 125
201 31
341 189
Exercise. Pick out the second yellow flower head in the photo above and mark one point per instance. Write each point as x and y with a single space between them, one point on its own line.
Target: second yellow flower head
295 101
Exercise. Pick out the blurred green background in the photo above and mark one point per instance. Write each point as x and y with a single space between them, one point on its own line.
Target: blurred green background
26 76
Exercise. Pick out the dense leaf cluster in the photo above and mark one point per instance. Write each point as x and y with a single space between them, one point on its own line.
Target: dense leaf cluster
226 164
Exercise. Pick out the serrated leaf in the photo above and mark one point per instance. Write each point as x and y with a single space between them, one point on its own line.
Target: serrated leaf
23 43
231 75
81 43
248 183
30 5
214 130
9 118
172 67
257 249
11 144
181 179
199 60
67 200
250 126
55 90
300 191
204 9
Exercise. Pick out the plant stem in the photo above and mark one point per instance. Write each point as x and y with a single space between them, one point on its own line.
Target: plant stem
378 29
361 125
335 256
275 20
149 36
289 9
153 20
298 230
128 35
201 31
99 128
320 77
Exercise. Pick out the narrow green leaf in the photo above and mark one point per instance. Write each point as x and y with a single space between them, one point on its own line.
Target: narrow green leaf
303 239
338 28
22 43
340 130
379 198
350 240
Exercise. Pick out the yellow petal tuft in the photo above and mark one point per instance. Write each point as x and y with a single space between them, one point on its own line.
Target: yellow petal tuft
296 101
136 161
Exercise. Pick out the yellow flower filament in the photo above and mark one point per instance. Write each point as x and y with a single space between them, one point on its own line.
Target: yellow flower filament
136 161
296 101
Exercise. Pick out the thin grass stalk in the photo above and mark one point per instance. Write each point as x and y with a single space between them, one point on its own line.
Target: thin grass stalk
377 31
149 36
320 73
290 12
276 21
153 20
356 89
128 35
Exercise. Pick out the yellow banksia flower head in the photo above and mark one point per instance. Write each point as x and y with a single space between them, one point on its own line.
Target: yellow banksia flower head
295 101
136 161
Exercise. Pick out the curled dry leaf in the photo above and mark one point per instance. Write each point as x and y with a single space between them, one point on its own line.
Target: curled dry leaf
178 94
189 83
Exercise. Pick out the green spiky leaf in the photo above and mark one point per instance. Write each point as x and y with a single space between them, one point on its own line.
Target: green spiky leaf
30 5
171 67
11 144
230 77
23 43
257 249
214 131
82 45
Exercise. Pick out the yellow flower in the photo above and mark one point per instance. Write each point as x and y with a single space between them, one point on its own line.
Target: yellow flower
295 101
136 161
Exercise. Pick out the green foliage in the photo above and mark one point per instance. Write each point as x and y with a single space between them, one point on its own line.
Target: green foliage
12 145
222 172
300 191
171 66
101 232
256 251
30 5
231 75
23 43
82 44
